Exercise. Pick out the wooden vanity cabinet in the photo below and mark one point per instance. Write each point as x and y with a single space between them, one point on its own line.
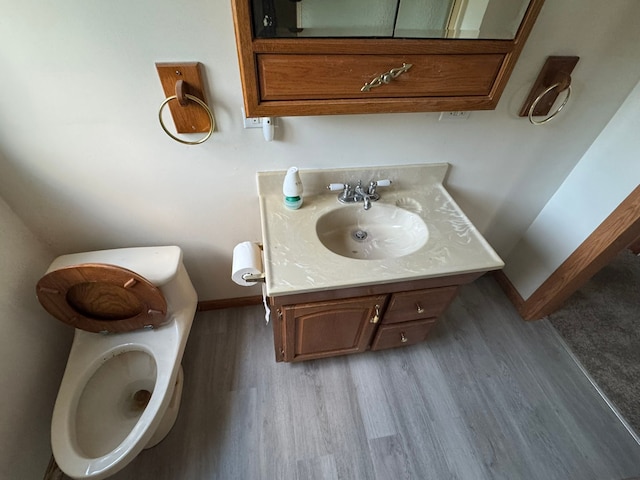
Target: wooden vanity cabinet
352 320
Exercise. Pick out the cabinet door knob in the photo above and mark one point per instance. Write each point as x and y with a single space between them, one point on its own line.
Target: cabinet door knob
403 338
376 316
419 308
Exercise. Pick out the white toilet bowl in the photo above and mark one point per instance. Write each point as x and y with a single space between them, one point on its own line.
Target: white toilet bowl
120 392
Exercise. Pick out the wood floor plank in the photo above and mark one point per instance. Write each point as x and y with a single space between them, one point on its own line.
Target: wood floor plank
238 444
375 410
513 443
390 459
488 396
440 394
320 468
574 421
344 418
413 415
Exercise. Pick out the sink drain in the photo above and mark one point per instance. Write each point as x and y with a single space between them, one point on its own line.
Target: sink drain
359 235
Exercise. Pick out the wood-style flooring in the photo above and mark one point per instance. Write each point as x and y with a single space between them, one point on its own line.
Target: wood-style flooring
487 396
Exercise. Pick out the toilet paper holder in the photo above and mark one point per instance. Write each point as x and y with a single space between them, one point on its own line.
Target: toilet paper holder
254 277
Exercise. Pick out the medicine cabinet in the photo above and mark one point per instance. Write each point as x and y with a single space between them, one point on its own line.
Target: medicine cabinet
321 57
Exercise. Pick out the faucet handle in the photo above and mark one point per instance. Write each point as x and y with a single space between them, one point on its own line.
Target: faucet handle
347 191
379 183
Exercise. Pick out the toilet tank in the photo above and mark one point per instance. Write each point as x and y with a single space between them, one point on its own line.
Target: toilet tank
159 265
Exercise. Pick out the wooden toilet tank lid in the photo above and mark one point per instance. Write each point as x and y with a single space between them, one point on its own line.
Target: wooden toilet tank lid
102 298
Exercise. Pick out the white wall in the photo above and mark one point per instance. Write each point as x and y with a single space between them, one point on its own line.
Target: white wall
87 165
604 177
33 352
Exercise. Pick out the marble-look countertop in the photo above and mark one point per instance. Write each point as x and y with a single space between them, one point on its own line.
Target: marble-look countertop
295 261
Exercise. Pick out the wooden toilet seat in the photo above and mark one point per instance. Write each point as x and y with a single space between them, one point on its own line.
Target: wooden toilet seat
102 298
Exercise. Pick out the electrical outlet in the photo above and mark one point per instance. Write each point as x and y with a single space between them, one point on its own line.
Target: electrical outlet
448 116
251 122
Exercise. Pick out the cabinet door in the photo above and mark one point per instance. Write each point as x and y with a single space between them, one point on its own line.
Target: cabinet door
327 329
419 304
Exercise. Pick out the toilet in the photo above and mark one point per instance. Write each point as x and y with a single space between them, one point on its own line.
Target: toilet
132 310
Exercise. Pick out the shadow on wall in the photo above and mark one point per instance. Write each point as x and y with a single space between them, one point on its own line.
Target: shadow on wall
33 352
53 196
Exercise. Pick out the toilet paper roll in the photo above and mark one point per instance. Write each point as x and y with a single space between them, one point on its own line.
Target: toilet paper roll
247 258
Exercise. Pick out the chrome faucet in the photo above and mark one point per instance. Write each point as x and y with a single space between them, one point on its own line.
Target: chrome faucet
355 194
361 195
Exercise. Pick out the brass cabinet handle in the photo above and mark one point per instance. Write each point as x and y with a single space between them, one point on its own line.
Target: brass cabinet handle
376 316
419 308
386 78
403 338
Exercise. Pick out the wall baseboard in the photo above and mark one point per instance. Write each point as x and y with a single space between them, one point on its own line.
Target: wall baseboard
510 291
205 305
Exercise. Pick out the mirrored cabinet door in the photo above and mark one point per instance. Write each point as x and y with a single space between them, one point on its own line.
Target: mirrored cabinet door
487 19
329 57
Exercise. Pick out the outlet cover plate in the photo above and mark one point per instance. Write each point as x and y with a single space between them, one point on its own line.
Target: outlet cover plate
453 116
251 122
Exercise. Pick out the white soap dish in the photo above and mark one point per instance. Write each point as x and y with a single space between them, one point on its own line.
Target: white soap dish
409 204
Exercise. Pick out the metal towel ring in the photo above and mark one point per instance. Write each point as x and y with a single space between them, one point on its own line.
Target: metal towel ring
539 97
199 102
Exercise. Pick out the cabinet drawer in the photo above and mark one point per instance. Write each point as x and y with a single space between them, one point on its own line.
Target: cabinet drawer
418 304
317 77
402 334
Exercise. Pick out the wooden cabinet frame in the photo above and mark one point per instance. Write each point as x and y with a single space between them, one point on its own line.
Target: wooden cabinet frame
356 306
250 49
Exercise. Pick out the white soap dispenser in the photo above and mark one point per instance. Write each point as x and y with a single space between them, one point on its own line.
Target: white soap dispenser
292 189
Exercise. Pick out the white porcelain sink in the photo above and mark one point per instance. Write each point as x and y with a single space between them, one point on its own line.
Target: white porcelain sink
383 231
414 231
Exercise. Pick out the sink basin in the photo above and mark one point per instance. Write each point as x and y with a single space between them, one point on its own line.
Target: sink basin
383 231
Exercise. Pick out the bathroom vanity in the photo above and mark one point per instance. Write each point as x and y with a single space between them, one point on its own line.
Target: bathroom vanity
341 279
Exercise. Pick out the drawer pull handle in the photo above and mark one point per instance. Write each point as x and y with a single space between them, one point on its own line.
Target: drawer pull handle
403 338
376 316
386 78
419 308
